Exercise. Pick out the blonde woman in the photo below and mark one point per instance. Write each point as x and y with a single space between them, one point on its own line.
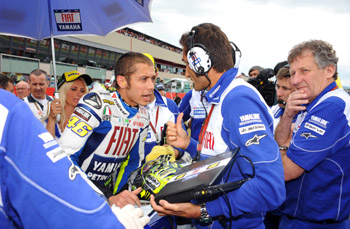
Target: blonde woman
71 87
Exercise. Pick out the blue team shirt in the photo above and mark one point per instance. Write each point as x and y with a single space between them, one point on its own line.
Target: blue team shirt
192 107
241 118
277 112
39 186
320 145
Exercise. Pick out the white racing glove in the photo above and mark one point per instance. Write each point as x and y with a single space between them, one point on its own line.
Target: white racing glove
130 216
187 158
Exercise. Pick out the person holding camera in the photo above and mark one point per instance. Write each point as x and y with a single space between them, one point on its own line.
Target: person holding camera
255 71
265 86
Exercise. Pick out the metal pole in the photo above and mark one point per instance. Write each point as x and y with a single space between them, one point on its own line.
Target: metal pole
53 61
56 95
52 46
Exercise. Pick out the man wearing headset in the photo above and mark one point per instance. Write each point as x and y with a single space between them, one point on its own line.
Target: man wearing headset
237 116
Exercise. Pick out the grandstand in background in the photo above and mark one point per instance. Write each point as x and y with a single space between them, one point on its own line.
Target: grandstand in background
94 55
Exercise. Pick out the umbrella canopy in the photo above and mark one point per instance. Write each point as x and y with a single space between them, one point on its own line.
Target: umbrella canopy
40 19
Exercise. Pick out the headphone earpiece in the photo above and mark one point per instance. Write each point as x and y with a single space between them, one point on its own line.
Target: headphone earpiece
199 60
198 57
236 54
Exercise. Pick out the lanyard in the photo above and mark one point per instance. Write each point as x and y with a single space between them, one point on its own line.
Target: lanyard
41 112
202 132
154 129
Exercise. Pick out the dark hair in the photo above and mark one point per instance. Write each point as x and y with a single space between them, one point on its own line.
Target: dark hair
279 65
256 67
38 72
125 65
323 52
215 40
283 73
4 81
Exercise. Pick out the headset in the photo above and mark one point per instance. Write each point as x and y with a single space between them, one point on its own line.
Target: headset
198 56
236 54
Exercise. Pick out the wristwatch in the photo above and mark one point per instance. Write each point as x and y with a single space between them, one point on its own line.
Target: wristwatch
283 147
205 217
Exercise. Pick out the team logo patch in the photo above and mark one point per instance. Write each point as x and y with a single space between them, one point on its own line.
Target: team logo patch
107 113
199 112
56 154
314 128
249 118
251 128
120 107
307 135
320 121
254 140
108 101
68 20
94 100
82 113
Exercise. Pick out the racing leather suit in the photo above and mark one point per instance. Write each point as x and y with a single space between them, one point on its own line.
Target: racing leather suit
101 133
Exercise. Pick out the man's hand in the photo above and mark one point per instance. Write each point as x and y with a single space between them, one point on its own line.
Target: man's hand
187 210
176 135
295 103
130 216
125 197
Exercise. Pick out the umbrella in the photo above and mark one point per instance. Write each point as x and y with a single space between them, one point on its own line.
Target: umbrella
40 19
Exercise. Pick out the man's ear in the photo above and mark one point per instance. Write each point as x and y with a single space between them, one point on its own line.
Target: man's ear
330 69
121 81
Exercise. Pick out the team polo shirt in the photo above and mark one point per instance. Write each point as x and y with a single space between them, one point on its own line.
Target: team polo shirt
192 107
277 112
39 186
241 118
320 145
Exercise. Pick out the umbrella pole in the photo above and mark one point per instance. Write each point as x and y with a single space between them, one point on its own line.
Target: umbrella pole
53 62
56 94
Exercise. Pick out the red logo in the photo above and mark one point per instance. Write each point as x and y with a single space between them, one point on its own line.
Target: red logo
208 141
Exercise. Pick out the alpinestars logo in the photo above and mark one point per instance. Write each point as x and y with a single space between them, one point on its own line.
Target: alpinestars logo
254 140
307 135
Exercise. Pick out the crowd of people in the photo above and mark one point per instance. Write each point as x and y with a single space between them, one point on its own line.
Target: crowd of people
132 33
79 166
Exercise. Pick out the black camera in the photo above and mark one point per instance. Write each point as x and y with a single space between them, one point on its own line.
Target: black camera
265 86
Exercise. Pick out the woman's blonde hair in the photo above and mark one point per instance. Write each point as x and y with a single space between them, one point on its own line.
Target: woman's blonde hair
63 91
